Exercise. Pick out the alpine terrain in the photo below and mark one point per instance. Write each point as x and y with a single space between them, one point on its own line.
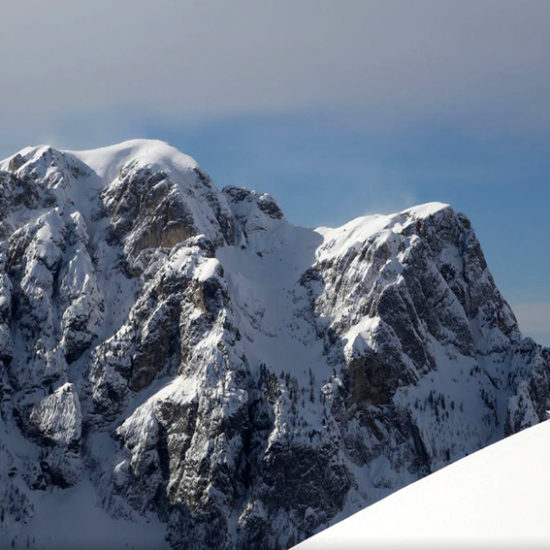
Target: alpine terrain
181 362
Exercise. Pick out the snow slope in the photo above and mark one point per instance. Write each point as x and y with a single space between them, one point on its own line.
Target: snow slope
498 497
73 518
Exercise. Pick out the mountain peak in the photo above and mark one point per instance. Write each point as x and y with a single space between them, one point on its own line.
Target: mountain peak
237 380
426 209
154 154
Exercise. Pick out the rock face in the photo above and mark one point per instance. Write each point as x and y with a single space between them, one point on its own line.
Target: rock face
258 381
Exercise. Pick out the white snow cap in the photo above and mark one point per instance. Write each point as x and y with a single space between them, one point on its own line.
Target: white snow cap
107 161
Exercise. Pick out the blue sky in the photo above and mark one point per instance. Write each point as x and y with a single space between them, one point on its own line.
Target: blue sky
336 108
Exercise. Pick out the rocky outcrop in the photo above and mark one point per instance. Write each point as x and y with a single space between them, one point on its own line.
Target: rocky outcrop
255 381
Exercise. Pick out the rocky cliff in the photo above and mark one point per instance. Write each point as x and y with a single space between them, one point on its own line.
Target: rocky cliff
201 360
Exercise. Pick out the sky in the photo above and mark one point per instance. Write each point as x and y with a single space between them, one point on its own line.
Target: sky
337 108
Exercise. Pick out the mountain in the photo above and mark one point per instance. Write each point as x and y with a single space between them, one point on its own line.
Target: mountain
178 360
496 498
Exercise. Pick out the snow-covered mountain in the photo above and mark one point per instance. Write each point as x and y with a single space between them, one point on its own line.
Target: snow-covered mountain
498 497
179 355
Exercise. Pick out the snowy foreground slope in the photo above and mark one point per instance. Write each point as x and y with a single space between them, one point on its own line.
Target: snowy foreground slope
498 497
184 362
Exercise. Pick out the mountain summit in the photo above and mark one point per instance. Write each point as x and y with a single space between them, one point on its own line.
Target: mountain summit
175 354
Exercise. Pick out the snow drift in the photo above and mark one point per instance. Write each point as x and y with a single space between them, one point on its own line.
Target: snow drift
498 497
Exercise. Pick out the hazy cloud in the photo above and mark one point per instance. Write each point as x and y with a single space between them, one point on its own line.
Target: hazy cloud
534 318
386 62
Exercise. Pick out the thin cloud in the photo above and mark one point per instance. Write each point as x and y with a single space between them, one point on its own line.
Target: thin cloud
534 318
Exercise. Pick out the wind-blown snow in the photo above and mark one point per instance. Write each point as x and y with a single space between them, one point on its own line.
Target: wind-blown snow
498 497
